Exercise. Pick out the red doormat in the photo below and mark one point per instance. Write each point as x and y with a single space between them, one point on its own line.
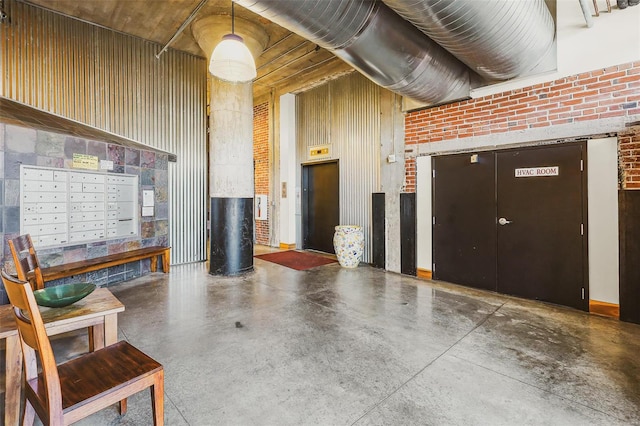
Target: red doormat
297 260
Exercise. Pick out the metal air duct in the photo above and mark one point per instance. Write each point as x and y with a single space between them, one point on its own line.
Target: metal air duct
376 41
499 39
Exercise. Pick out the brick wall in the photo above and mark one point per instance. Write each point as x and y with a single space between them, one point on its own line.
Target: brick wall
261 164
629 158
599 94
410 175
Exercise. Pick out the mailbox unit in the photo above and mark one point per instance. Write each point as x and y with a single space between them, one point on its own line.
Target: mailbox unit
63 207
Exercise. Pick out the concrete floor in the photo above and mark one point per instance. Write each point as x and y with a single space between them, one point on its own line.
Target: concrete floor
332 346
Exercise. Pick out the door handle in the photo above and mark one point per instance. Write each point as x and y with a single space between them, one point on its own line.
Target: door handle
503 221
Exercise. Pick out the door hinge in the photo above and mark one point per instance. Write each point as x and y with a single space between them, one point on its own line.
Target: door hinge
434 173
582 229
433 268
582 293
433 221
581 165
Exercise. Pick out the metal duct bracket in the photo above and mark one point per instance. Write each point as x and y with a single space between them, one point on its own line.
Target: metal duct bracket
4 16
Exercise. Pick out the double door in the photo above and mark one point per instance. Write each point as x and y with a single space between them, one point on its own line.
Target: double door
513 221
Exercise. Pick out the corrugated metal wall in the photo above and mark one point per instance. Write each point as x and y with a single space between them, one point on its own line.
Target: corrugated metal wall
345 115
114 82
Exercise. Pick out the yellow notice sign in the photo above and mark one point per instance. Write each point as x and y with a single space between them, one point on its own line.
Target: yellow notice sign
84 161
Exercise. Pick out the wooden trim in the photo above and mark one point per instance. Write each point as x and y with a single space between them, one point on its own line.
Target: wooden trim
424 273
606 309
285 246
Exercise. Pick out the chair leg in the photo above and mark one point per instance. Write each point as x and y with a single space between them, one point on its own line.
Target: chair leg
123 407
157 399
92 345
29 414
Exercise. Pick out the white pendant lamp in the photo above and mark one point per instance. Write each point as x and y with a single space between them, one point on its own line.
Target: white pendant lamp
231 60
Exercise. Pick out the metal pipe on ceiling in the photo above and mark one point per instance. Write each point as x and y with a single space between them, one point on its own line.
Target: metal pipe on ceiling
184 25
284 54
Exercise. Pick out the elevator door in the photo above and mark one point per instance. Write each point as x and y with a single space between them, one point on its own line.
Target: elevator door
320 205
540 224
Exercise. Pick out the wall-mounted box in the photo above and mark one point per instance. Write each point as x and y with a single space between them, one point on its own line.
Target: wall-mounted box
61 207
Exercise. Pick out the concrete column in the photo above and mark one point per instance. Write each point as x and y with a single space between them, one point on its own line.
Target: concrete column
231 185
231 178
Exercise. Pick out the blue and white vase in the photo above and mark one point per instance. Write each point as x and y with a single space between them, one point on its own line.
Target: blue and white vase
348 242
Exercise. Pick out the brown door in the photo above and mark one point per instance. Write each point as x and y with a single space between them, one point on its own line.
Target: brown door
464 228
320 205
541 222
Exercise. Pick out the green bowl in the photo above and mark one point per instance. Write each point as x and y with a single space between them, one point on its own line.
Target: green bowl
63 295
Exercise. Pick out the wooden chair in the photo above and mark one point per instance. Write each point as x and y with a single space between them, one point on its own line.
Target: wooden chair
27 266
65 393
26 261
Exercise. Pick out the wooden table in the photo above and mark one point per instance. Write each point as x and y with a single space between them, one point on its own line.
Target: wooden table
99 311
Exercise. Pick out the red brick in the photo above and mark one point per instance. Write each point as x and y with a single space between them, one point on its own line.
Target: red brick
588 81
587 117
562 86
585 105
575 89
612 114
613 89
612 75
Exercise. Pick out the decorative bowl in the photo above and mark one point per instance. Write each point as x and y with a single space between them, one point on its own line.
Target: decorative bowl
63 295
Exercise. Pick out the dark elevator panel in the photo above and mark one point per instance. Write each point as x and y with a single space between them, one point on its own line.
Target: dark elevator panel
320 205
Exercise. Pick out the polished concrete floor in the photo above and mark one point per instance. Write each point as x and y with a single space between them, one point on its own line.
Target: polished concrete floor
333 346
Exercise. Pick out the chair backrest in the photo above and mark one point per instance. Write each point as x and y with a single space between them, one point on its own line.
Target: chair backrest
34 342
26 261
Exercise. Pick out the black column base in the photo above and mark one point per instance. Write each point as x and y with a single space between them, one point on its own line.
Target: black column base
231 236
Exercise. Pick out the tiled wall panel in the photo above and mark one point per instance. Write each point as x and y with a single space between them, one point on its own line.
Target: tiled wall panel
25 146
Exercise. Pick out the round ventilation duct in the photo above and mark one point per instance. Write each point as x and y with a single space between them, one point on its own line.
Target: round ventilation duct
376 41
499 39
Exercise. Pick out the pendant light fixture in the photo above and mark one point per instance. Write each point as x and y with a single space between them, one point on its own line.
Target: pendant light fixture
231 60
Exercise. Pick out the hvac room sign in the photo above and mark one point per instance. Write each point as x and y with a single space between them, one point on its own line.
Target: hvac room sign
538 171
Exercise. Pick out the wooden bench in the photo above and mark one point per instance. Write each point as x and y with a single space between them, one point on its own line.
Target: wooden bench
89 265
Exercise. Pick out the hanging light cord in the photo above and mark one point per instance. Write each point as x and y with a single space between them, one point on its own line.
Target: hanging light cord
233 20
